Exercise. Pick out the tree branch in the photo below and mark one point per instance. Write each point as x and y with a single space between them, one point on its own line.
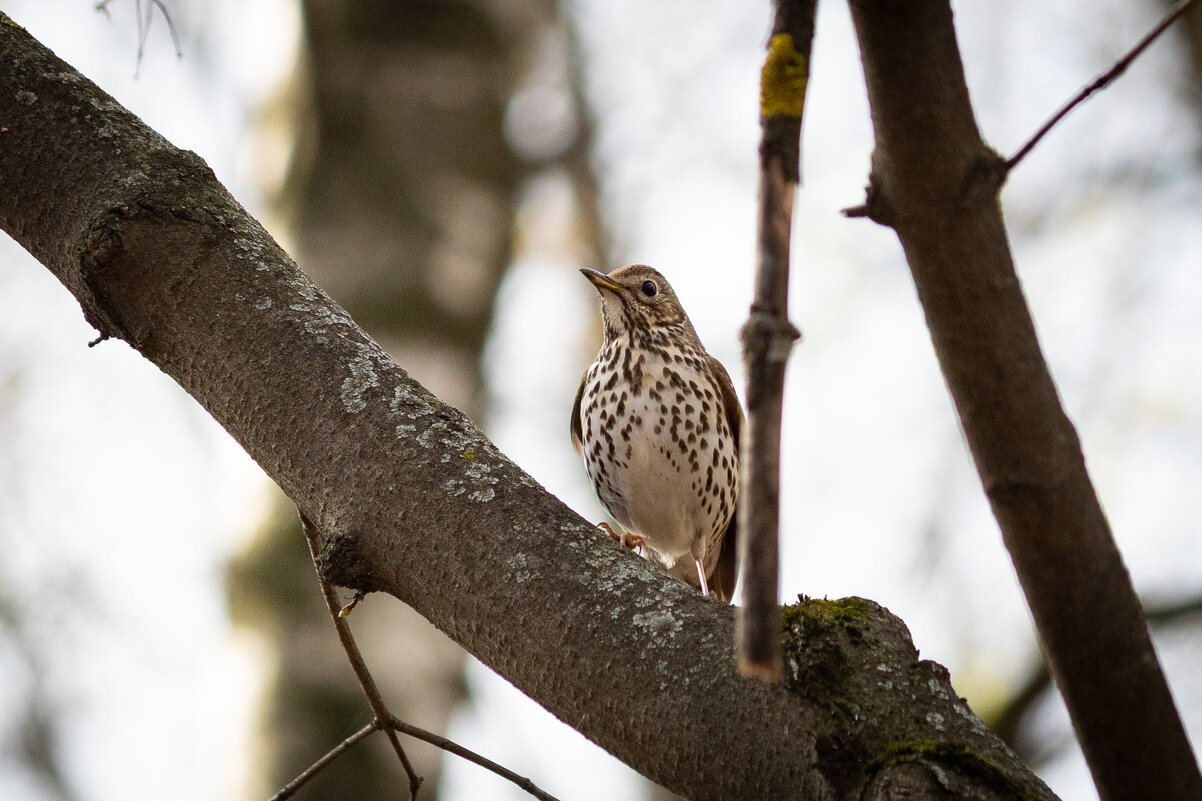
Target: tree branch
290 789
370 690
452 747
768 336
1103 80
411 499
936 183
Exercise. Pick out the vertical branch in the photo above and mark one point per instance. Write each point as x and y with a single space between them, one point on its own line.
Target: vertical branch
768 335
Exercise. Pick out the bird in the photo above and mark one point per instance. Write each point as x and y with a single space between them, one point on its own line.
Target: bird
657 423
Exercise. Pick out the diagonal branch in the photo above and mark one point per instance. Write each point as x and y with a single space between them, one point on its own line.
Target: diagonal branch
291 788
936 183
452 747
1103 80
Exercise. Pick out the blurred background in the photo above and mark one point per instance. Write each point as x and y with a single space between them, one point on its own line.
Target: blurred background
442 168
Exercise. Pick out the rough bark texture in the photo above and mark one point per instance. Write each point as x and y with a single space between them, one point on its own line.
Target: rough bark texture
411 499
936 183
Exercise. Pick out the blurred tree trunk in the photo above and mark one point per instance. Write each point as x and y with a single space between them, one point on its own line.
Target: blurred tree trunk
1189 28
401 200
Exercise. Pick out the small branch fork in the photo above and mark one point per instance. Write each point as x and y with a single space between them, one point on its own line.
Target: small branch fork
374 699
1103 80
383 719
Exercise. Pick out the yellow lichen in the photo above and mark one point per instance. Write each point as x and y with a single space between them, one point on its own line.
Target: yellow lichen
783 79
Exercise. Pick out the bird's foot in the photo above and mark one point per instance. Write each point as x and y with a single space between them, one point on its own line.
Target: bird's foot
626 541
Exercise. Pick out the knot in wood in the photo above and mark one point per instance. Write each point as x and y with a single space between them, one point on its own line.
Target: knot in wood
766 336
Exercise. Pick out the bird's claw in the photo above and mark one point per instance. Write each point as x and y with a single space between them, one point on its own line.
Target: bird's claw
626 541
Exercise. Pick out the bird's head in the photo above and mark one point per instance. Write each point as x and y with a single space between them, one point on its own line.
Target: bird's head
637 298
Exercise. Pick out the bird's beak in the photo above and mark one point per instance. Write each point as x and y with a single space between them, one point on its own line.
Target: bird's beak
600 280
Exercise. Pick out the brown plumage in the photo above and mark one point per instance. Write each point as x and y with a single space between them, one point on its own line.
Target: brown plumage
657 422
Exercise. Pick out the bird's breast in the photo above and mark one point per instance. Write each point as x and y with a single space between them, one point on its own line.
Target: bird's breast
658 448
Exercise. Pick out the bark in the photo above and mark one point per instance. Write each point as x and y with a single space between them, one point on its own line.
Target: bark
936 183
411 499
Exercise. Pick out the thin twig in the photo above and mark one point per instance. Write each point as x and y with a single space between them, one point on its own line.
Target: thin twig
289 789
143 19
1103 80
384 720
452 747
374 699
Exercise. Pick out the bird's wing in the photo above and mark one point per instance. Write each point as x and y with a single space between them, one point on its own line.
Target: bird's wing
730 401
726 572
577 430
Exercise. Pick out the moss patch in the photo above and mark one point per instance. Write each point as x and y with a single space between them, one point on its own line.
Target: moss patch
815 638
813 618
954 756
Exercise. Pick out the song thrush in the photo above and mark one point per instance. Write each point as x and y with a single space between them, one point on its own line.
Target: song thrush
657 422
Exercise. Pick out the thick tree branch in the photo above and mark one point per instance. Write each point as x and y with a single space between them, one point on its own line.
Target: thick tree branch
410 498
936 183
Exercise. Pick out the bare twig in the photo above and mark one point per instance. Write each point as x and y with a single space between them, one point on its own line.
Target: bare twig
452 747
289 789
374 699
1103 80
143 15
768 336
384 720
416 732
144 27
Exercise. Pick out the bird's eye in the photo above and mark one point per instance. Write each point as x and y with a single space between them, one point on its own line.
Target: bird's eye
649 288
